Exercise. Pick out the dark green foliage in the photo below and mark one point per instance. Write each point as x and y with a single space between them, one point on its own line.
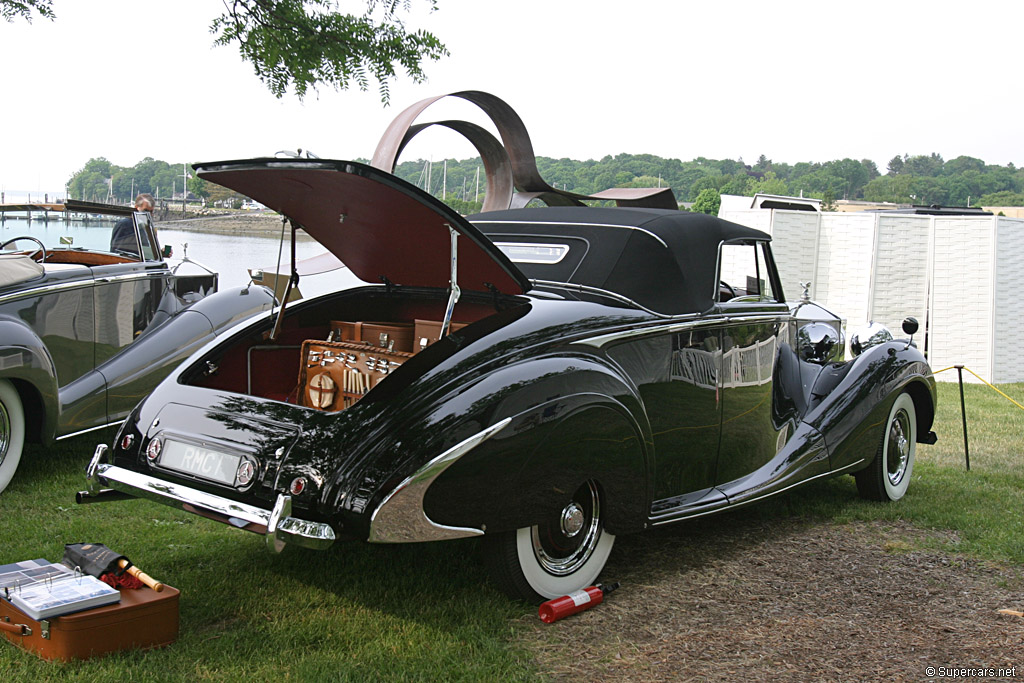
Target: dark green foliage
708 201
954 183
9 9
101 181
302 43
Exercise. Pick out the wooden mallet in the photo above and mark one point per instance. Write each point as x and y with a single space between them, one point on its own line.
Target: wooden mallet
97 559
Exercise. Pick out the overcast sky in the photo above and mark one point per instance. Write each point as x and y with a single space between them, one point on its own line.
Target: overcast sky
795 81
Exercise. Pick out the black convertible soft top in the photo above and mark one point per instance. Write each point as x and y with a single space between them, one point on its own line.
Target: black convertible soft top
662 259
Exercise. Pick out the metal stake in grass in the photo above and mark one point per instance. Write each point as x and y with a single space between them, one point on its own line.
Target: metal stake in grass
963 414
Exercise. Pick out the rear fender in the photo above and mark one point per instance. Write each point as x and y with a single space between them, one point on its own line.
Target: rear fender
133 374
573 419
25 361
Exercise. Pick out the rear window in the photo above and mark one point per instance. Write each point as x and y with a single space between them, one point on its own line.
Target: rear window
522 252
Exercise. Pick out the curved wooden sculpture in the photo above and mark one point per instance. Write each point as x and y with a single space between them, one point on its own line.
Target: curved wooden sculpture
510 164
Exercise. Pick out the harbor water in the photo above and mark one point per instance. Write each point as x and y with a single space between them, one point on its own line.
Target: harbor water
229 255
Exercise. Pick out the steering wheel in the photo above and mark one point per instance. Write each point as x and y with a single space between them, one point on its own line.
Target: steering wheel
41 249
728 287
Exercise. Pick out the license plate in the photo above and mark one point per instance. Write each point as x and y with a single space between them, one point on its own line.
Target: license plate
201 462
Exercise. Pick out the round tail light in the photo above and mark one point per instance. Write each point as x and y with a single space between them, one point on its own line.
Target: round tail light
153 451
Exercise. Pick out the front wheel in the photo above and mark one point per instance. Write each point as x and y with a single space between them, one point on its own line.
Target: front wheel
888 476
556 557
12 431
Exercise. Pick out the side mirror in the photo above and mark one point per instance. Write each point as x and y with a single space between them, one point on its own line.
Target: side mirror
168 251
910 326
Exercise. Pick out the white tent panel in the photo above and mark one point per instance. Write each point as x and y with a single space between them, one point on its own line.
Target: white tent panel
843 282
962 304
960 276
1008 363
902 270
795 234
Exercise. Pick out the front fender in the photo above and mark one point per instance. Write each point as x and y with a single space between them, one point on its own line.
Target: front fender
852 415
229 306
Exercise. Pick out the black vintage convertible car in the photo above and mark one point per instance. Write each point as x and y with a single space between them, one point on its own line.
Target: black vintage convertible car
92 317
543 378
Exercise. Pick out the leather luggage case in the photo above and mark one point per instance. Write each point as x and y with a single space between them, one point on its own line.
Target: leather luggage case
335 375
390 336
143 619
429 331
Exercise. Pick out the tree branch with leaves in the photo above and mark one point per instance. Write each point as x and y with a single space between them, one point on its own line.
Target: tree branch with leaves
300 44
9 9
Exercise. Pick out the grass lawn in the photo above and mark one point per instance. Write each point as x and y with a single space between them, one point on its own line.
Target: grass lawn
428 611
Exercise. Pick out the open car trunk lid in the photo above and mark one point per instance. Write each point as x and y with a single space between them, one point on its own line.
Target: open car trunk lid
381 227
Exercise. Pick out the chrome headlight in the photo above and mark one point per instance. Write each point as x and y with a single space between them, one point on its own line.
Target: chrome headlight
869 335
818 343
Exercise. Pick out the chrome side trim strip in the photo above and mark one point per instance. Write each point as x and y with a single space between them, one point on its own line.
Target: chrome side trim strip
669 517
46 289
576 287
692 321
686 324
148 275
77 284
86 431
588 225
277 524
400 517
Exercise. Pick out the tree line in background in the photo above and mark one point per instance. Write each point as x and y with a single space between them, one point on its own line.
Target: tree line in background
922 179
101 181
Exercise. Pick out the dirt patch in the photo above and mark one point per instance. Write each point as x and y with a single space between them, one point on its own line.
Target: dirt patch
739 598
258 223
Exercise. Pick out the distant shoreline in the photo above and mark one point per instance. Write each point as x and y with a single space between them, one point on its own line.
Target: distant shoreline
258 223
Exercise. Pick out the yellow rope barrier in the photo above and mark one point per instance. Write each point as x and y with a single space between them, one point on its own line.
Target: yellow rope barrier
994 388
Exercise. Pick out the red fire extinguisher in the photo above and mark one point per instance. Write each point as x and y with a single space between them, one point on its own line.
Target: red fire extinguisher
574 602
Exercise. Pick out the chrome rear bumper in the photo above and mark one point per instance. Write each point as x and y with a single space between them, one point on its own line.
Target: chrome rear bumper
277 525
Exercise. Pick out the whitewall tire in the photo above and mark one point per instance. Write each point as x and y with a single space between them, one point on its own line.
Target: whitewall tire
888 475
557 557
12 431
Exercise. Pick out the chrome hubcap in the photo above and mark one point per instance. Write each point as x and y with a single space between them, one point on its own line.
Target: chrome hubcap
898 447
563 546
572 519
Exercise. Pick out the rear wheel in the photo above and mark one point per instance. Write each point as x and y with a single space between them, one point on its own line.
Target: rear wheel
12 431
556 557
888 476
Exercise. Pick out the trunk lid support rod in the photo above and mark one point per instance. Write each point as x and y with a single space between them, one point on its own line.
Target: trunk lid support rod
455 292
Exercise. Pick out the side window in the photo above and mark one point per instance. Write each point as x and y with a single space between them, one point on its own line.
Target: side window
743 273
147 236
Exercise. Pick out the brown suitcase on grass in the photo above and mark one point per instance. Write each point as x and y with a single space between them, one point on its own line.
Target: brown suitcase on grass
143 619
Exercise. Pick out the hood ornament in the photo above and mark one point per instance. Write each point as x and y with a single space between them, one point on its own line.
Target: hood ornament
806 296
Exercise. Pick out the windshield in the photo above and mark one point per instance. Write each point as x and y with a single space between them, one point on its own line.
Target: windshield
24 231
